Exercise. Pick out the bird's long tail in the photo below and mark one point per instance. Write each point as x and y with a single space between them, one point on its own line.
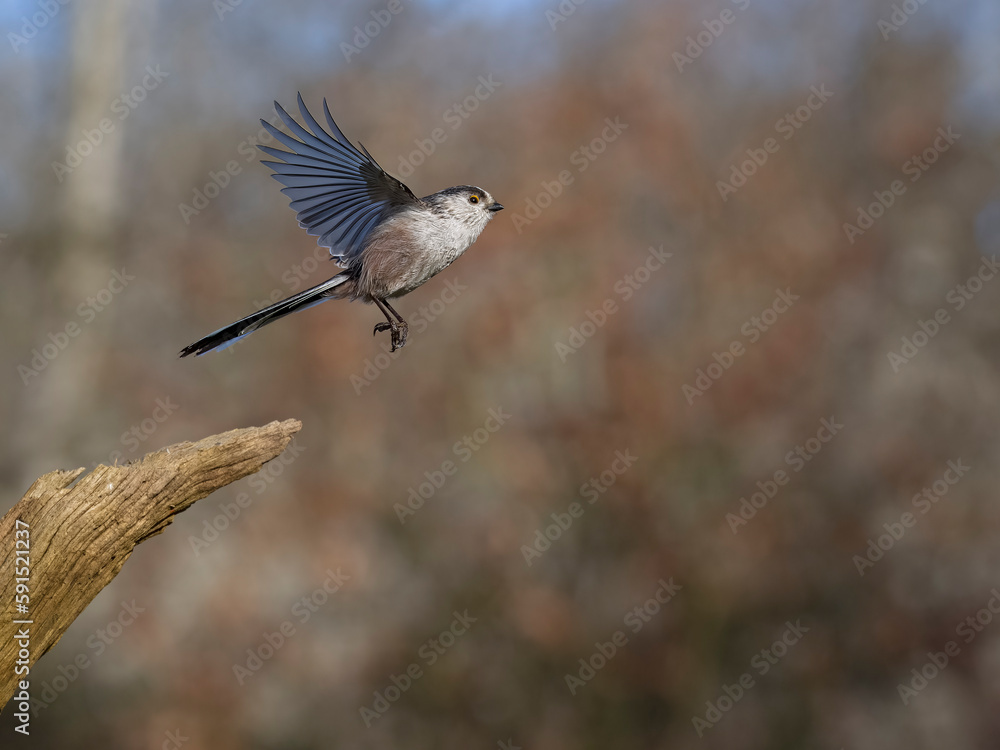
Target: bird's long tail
235 331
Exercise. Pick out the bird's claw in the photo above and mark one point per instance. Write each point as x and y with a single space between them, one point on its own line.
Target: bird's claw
398 333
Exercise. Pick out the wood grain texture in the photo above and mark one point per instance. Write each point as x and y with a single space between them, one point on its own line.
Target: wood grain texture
83 527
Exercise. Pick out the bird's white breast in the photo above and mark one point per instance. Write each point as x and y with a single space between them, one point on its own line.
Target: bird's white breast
438 241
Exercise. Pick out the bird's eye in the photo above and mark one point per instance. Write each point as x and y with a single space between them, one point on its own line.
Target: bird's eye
474 199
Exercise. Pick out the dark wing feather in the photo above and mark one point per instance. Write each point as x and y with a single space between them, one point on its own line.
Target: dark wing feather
340 193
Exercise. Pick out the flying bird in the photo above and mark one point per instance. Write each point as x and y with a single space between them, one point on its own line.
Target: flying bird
387 241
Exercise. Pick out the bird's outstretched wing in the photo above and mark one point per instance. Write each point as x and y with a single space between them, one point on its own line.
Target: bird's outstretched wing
339 193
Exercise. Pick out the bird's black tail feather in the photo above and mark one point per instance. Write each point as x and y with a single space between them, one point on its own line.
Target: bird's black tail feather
232 333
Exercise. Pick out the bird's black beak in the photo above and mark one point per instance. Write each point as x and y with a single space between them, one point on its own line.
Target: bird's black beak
494 206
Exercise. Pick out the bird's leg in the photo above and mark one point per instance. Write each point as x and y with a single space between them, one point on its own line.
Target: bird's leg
399 330
402 329
379 327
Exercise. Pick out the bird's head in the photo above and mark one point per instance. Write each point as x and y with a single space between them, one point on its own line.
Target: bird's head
468 204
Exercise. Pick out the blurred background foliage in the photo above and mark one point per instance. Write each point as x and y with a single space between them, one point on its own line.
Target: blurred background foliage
376 428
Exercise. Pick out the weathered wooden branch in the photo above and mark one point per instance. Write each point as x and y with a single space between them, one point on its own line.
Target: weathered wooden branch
79 535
